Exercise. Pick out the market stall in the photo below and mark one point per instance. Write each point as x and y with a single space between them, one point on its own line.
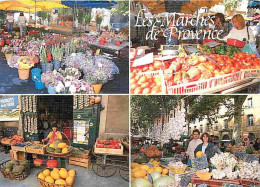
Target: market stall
67 53
192 65
59 134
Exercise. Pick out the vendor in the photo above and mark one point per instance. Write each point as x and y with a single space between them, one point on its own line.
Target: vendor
206 147
171 36
240 31
31 21
9 22
54 135
192 145
22 24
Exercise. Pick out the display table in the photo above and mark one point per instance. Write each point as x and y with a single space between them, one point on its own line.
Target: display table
66 30
213 182
109 46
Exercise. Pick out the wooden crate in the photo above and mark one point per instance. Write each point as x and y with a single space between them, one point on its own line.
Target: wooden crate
79 162
86 155
213 182
36 151
108 150
17 148
248 182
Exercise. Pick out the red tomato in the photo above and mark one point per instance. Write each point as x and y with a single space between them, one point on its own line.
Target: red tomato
145 85
143 79
137 77
146 68
211 66
132 81
132 75
133 86
202 59
253 55
227 70
157 65
138 90
147 91
155 90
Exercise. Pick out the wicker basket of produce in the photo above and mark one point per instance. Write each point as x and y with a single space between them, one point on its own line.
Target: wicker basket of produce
177 169
59 148
15 170
56 177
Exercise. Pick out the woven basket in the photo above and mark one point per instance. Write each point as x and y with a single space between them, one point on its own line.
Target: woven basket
178 169
13 176
46 184
61 155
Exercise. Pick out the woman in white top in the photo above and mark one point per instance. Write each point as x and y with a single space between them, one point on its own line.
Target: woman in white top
22 24
9 22
240 31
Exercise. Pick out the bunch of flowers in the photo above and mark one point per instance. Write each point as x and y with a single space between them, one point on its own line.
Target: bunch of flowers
51 78
33 47
12 61
7 50
98 76
75 86
49 44
75 60
70 73
24 62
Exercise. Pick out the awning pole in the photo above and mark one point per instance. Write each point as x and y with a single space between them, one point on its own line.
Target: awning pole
35 12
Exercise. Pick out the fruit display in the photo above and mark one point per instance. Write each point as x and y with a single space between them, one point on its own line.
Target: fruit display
111 144
15 170
38 162
59 177
152 168
59 147
148 79
152 151
204 174
145 84
222 49
177 167
12 141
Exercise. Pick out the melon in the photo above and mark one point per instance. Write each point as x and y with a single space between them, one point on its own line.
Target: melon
63 173
165 171
55 175
72 173
164 181
52 145
41 176
62 145
199 154
140 173
56 143
155 175
64 150
158 169
144 167
46 172
69 180
60 181
151 170
49 179
140 182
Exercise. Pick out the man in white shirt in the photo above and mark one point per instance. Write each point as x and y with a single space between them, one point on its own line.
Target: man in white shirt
193 144
9 22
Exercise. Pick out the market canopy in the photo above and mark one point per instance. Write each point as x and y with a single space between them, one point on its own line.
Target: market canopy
88 3
182 6
29 5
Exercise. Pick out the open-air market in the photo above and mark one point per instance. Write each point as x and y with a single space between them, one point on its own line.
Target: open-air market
194 47
63 47
195 141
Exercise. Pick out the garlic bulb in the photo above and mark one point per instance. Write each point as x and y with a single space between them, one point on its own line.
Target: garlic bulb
249 170
219 160
177 164
218 174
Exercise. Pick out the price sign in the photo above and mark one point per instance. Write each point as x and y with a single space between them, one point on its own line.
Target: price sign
199 163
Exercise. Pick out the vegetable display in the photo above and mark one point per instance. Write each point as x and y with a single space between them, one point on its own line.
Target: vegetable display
111 144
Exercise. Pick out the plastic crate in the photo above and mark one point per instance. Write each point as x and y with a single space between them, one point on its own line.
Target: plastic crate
203 85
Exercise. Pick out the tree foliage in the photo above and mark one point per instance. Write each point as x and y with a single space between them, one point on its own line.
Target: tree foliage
122 7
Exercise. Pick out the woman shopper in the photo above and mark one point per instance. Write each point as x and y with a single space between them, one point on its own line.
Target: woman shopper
9 22
22 24
207 148
240 31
